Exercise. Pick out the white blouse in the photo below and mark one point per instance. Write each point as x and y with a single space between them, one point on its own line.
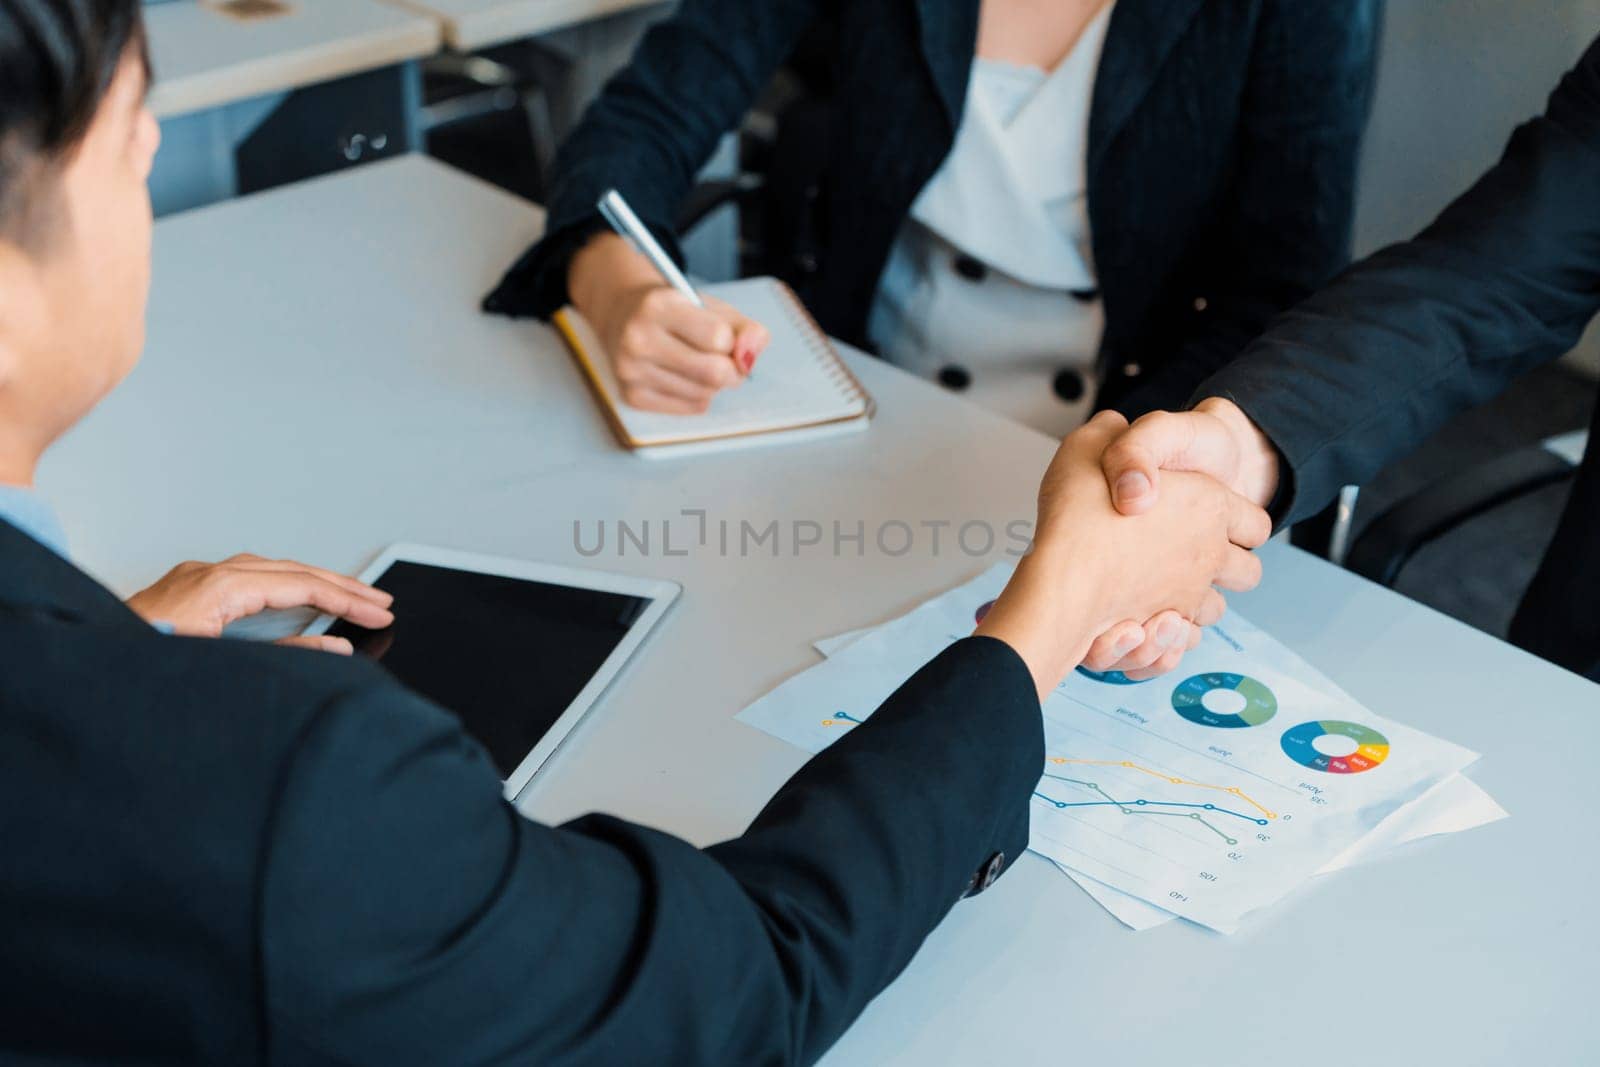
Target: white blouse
990 287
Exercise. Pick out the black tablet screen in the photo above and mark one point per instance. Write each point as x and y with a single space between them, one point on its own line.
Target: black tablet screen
507 655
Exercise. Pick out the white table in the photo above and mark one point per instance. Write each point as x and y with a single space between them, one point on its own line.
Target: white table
470 24
319 383
204 59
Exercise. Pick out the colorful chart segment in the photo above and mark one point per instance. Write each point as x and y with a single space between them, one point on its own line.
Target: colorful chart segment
1188 700
1299 744
1111 677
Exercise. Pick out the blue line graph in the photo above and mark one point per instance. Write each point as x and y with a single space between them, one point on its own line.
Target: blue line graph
1144 806
1141 802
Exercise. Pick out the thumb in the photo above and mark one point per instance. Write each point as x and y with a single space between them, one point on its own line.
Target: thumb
1164 440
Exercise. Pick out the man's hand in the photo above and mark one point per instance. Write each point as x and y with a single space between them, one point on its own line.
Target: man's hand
199 599
1216 439
1091 567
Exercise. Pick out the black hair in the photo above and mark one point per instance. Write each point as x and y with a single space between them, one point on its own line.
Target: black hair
57 58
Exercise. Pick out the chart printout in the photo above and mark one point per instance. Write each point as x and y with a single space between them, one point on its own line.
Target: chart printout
1454 805
1209 793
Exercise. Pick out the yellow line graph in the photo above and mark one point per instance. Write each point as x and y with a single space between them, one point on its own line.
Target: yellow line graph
1230 790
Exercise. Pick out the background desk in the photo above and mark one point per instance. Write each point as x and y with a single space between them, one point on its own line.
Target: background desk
205 59
226 92
319 384
469 24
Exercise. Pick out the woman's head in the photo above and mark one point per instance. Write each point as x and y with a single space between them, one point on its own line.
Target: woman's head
76 146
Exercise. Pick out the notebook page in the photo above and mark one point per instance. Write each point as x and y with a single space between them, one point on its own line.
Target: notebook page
793 384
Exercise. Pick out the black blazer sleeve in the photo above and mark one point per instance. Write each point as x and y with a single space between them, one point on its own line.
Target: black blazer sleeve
408 913
651 130
1506 278
1289 205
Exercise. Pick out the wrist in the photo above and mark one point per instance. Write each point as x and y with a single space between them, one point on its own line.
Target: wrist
1258 475
602 268
1048 613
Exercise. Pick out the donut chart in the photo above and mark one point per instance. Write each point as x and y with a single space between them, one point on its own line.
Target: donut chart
1372 748
1111 677
1188 700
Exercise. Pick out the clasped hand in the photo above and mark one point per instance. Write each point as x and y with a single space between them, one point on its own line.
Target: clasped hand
1217 439
1162 558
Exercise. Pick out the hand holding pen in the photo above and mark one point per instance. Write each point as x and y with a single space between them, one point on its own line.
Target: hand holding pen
673 349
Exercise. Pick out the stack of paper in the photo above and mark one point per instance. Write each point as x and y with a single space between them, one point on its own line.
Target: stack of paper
1207 794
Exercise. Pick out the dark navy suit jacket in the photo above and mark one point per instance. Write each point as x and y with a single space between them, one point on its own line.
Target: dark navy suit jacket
1504 280
1223 141
223 852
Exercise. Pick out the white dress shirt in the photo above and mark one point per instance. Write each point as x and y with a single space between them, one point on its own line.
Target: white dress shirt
27 511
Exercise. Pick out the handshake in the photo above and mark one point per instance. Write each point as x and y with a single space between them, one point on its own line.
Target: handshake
1139 528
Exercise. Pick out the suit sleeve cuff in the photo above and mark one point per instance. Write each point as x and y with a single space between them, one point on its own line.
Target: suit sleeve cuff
535 286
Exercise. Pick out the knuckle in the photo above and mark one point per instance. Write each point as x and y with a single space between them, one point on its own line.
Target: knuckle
1154 423
1123 453
1109 420
629 371
635 339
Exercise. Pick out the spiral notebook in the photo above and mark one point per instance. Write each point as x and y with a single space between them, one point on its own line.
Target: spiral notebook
800 388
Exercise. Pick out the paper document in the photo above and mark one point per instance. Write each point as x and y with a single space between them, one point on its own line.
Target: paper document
1209 793
1455 804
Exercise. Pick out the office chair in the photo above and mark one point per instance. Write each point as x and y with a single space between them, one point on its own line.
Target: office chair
783 154
491 114
1396 535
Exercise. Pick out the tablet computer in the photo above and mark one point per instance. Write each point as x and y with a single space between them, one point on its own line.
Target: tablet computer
520 651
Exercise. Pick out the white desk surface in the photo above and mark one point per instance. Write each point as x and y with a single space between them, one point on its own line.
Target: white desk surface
319 383
204 59
469 24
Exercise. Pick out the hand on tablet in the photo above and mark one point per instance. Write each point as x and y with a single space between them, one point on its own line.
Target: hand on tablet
200 599
669 355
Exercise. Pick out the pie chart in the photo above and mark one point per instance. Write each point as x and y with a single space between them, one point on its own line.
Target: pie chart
1248 702
1371 747
1111 677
